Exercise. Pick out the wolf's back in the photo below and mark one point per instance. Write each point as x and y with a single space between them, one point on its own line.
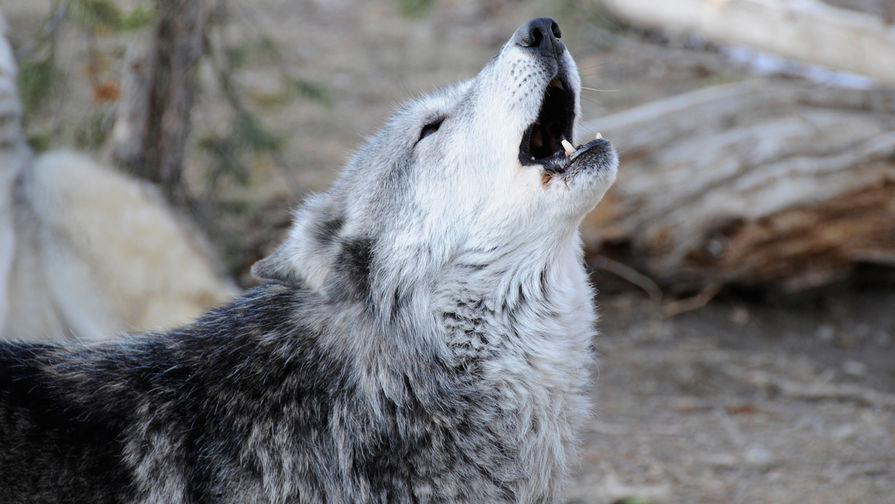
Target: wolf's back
52 449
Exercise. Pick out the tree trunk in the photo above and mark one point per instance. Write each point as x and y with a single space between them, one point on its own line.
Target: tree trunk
153 122
754 183
14 157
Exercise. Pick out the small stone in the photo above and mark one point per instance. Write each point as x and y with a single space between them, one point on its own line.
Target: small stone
715 247
757 456
725 460
740 316
825 333
854 369
845 432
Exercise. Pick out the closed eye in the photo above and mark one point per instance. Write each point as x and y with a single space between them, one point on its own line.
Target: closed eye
430 128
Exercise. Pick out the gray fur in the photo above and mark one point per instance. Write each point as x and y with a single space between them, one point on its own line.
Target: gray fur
424 335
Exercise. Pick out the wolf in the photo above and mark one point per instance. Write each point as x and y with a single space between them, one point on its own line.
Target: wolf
424 333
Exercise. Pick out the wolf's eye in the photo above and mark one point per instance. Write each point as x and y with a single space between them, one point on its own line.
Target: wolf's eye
430 128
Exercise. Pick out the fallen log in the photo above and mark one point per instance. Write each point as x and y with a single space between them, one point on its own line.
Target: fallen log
807 30
754 183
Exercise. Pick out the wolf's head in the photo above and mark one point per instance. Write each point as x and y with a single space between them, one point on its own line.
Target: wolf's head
475 173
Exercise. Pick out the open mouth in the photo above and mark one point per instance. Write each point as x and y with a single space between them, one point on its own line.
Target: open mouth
542 142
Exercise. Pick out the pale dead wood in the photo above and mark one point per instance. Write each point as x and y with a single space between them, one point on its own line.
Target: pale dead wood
755 183
806 30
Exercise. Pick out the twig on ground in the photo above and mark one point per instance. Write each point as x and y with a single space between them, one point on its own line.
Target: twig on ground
676 307
630 275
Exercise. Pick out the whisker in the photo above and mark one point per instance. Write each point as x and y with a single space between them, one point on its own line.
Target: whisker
593 73
599 90
591 69
591 99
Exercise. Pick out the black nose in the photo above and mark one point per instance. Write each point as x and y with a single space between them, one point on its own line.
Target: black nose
540 34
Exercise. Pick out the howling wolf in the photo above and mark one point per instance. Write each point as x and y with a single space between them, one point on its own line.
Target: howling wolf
423 335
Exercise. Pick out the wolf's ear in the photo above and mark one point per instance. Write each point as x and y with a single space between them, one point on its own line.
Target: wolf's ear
277 267
305 257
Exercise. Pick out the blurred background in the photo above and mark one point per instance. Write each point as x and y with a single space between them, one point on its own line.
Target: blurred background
744 258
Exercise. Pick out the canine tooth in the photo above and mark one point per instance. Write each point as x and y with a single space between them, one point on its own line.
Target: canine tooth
599 136
567 146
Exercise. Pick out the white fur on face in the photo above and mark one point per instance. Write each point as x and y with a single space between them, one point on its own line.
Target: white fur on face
469 170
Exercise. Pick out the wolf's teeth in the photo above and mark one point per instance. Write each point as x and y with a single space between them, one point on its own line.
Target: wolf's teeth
567 146
599 136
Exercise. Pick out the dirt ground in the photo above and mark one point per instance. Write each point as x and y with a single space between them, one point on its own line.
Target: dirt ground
783 402
765 399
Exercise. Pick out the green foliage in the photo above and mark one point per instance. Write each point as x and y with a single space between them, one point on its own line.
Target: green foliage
231 152
41 80
262 49
36 80
225 159
97 15
246 134
311 90
40 142
292 89
250 134
141 17
92 130
106 16
414 8
237 56
267 49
